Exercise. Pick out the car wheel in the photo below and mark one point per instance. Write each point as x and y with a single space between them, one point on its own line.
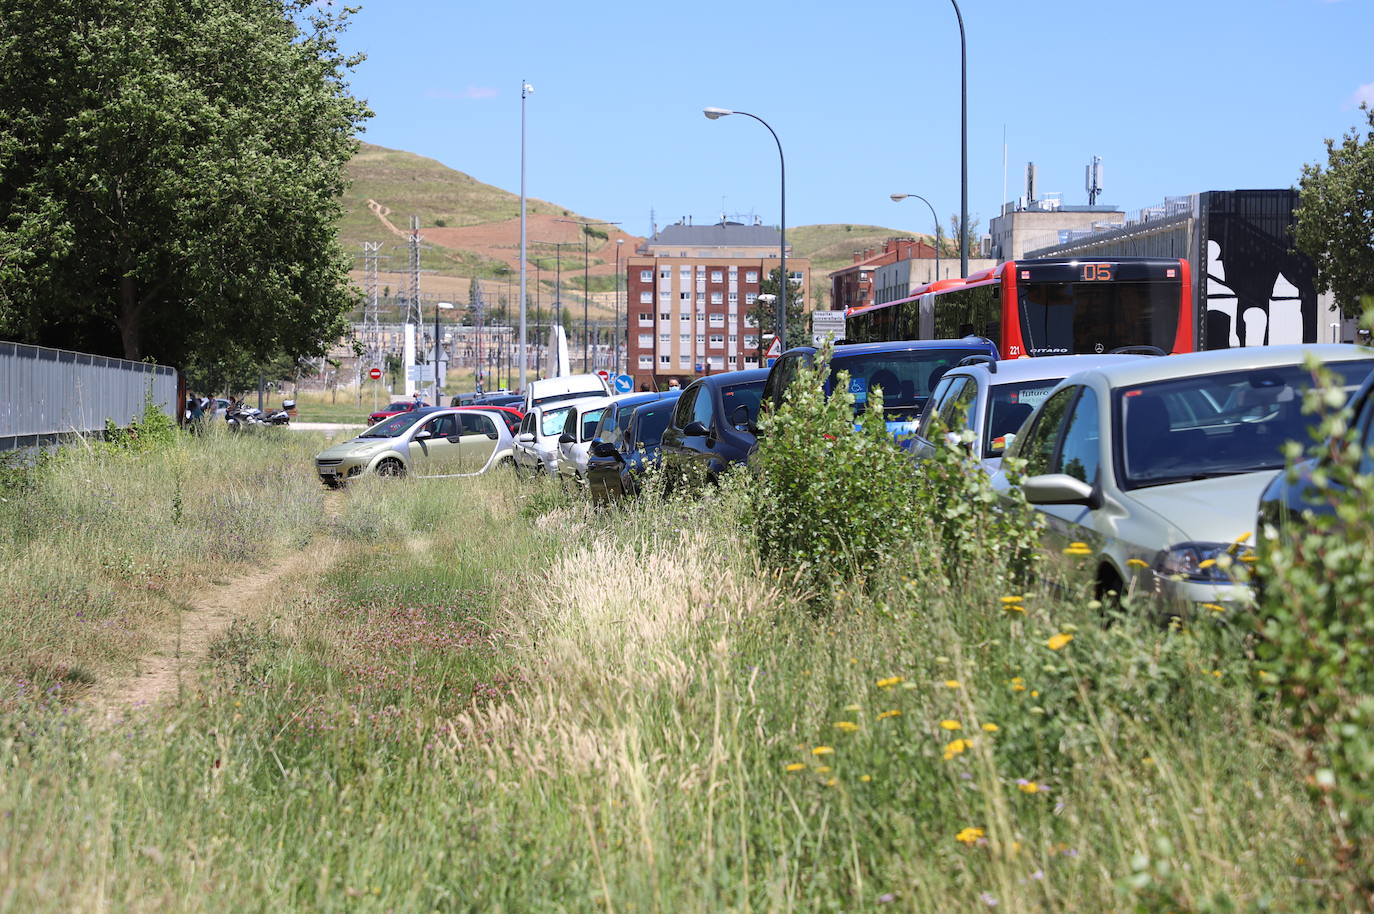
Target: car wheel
391 467
1109 591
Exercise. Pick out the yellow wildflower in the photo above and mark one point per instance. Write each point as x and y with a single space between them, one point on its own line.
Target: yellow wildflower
1018 684
951 725
889 681
969 835
1214 607
1014 608
795 766
886 714
1058 641
822 750
990 728
1137 563
1078 549
822 769
831 783
865 778
957 747
846 725
1008 601
951 683
1028 786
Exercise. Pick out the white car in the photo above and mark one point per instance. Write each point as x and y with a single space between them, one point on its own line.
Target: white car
1149 471
536 442
993 399
561 390
579 428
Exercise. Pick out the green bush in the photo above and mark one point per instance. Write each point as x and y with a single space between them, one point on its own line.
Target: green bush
833 497
1317 647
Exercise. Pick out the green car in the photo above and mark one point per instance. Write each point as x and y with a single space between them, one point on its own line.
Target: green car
425 443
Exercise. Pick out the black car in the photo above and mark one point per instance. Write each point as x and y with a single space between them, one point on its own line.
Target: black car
1288 504
628 447
712 426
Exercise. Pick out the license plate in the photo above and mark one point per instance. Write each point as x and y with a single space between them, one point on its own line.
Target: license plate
328 471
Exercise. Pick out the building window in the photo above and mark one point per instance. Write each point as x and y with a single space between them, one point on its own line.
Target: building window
665 337
716 361
684 361
645 361
665 296
750 297
750 320
717 298
717 276
646 340
646 297
701 340
734 337
717 320
734 298
646 315
750 362
665 273
751 342
664 315
684 296
734 360
686 316
646 275
734 271
685 338
717 340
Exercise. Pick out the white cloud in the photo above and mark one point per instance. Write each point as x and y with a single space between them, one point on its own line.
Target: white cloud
1363 95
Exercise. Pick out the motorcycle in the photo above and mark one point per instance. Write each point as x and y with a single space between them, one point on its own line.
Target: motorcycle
242 416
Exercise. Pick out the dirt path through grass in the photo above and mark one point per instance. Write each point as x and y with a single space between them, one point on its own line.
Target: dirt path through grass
159 673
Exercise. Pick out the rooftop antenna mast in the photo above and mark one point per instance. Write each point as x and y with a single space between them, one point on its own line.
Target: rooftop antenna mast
1092 179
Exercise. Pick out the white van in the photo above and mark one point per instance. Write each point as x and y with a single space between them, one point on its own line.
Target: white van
568 387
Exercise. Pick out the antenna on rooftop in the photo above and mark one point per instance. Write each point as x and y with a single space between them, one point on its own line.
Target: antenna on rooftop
1092 179
1030 182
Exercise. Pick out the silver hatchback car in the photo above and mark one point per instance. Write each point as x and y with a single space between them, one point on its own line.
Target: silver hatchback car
1151 469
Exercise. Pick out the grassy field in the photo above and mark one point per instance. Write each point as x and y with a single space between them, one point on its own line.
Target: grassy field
498 699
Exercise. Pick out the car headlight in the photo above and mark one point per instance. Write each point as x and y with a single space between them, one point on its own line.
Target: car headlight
1205 562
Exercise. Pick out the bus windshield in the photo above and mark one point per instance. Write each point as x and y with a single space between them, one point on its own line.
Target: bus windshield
1063 318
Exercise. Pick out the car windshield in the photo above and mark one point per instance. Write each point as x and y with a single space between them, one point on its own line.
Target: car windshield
551 423
650 421
398 406
393 427
1008 407
906 377
735 396
1217 425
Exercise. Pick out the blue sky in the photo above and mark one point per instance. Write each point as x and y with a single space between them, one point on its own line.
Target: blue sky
1176 96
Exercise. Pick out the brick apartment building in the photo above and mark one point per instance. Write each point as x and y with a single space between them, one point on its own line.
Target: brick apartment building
689 291
853 286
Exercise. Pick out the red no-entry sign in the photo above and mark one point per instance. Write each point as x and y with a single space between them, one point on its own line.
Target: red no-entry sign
374 373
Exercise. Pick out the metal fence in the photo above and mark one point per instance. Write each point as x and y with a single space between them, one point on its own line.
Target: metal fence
47 393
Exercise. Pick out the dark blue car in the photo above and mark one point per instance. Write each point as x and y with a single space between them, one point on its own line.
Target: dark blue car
628 446
906 370
712 426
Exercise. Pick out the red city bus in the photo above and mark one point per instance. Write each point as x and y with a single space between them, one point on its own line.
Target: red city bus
1046 307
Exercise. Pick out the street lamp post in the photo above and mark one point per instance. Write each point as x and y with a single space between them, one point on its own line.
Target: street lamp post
781 318
898 198
615 326
438 306
586 285
963 144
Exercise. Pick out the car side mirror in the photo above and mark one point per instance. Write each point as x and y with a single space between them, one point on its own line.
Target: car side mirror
1059 489
526 438
422 434
695 430
740 417
493 435
566 438
604 449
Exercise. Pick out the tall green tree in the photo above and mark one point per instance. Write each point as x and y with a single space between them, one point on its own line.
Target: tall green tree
1335 216
171 175
764 312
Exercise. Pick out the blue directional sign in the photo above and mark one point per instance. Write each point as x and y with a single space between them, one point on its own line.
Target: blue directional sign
624 383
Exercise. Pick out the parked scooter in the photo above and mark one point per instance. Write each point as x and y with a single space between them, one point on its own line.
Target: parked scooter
242 416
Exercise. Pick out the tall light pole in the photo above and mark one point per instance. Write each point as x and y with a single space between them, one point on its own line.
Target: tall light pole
525 90
586 286
898 198
781 318
615 325
438 306
963 144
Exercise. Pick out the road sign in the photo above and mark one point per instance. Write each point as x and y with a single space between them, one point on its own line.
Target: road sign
774 349
374 373
624 383
604 375
826 325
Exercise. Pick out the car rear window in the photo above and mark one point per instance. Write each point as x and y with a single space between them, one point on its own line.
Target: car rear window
907 377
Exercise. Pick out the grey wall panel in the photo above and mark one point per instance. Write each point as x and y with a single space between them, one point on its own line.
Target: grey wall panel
54 391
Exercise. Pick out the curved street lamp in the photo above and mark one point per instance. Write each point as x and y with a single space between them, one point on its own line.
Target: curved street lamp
898 198
781 318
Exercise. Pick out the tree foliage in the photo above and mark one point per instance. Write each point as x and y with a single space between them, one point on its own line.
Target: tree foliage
764 312
171 175
1336 218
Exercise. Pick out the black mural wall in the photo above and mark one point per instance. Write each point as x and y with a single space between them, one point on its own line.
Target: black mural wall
1253 288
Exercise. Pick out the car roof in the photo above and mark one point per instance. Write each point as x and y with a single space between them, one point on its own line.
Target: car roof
847 349
1043 368
731 377
1192 364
